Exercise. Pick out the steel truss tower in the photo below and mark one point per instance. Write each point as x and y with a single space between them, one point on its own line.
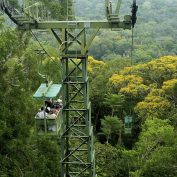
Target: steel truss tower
77 152
77 132
78 158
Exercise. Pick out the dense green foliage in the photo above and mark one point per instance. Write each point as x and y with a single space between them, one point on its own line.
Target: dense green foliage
21 153
146 91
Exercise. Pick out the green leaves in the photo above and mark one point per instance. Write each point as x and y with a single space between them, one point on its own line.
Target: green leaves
155 149
20 152
110 161
115 101
54 7
111 125
14 3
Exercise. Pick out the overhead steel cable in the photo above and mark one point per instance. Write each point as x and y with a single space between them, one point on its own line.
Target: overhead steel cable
133 20
42 47
132 47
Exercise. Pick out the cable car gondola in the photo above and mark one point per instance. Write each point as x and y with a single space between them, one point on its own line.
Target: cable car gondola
48 118
128 124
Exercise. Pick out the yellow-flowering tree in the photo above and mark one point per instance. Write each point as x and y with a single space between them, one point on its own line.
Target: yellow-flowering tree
170 89
94 65
130 85
153 106
156 71
157 79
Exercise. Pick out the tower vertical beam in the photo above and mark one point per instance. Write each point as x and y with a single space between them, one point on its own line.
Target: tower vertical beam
76 133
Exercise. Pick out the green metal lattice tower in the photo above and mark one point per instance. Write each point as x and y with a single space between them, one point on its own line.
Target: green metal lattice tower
77 152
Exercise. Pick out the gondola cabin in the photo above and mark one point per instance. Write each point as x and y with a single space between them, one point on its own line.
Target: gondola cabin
48 118
128 124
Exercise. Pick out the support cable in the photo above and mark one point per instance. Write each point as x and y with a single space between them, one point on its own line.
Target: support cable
132 47
133 20
42 47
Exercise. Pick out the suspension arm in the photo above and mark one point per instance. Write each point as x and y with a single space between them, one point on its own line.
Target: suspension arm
126 24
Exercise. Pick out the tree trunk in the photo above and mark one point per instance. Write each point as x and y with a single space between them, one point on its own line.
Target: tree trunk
107 140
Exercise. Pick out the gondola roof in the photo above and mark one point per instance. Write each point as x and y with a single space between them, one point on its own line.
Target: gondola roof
48 92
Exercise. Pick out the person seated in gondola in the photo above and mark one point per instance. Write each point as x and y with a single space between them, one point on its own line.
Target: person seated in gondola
52 112
41 114
47 110
58 104
48 103
59 101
